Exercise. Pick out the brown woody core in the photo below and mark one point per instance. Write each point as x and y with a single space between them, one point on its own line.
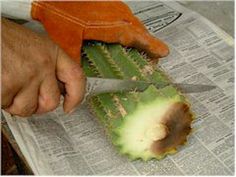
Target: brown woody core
178 120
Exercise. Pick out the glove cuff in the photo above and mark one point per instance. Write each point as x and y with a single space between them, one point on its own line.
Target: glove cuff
58 27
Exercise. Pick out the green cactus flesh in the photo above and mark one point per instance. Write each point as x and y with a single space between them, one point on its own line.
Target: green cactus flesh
148 124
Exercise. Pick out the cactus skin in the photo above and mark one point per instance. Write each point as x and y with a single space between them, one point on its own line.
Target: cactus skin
145 125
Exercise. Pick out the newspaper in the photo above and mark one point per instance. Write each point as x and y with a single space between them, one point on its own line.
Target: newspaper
201 53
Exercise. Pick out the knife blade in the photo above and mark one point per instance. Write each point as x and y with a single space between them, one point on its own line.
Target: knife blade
104 85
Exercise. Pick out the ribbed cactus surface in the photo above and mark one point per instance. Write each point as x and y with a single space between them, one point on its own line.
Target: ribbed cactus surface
148 124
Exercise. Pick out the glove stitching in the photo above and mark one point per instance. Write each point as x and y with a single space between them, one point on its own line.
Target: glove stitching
78 21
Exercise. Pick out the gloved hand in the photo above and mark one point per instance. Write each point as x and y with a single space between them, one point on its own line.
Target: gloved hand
69 23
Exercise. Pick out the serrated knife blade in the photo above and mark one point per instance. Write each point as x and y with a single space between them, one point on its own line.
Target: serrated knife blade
104 85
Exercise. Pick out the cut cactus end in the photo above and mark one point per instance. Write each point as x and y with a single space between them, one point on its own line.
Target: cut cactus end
143 125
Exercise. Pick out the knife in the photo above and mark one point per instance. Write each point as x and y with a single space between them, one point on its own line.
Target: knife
104 85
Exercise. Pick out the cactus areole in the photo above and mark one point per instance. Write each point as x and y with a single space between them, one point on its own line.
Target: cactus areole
145 125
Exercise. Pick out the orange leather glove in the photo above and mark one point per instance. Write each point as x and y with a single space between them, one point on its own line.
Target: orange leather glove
69 23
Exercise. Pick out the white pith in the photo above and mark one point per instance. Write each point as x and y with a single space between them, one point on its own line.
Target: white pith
156 132
146 120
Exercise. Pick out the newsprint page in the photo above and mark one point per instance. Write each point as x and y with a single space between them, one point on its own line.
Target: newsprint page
200 53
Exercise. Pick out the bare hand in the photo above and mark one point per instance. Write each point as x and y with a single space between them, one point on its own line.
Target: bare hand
31 67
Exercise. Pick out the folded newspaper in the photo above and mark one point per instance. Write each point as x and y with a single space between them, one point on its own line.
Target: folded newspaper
200 53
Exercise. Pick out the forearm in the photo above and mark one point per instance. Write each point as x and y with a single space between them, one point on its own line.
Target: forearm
17 9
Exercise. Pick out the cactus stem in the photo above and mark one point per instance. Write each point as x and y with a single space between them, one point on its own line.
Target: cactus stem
119 106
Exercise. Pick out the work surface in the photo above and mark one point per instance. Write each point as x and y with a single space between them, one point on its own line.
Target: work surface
220 13
210 149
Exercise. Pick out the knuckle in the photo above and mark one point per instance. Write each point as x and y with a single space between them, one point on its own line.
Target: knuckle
75 72
29 109
68 69
32 75
52 104
23 107
31 71
22 112
46 61
45 65
25 110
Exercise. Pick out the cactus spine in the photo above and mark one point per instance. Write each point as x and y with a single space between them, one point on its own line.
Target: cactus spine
143 125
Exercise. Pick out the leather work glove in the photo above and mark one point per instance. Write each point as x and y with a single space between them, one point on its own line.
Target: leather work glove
69 23
39 67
